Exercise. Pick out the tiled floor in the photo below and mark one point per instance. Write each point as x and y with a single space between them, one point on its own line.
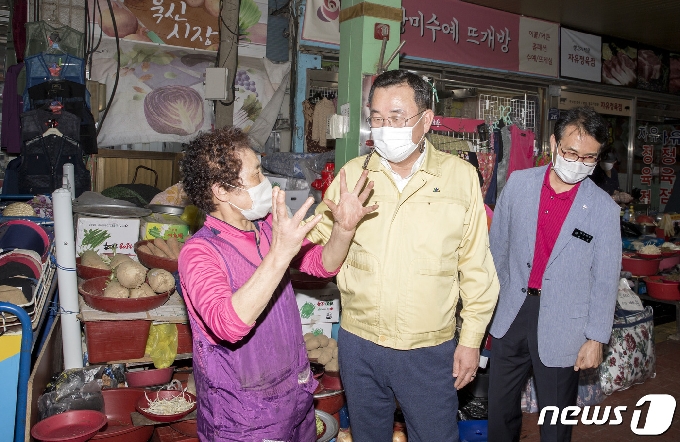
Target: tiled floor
667 381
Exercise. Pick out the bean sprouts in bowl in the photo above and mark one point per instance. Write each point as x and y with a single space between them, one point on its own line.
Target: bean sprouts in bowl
166 405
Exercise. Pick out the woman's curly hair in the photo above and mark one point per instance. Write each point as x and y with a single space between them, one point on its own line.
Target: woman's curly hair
211 158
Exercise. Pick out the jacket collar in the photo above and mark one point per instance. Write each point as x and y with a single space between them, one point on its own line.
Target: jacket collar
431 163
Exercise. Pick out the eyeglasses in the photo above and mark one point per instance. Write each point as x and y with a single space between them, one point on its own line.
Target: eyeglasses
397 122
588 160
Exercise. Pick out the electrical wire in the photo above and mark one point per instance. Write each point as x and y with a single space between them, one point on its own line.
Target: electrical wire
115 84
234 42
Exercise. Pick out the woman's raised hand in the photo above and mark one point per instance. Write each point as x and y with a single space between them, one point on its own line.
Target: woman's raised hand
288 232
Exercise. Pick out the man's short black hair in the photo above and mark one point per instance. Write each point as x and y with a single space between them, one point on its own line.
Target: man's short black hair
586 120
421 88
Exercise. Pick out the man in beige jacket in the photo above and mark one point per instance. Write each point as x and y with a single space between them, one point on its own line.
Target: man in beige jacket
407 266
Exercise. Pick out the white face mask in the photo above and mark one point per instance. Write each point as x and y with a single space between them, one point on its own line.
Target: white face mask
395 144
606 166
571 172
261 195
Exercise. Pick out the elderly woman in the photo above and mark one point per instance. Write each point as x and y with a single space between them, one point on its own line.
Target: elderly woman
252 374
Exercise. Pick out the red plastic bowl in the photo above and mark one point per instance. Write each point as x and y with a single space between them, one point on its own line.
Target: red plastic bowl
118 404
657 288
71 426
187 427
648 256
87 272
143 403
153 261
640 267
92 291
147 378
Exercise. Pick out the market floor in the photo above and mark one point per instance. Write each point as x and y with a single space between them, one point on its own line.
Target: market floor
667 381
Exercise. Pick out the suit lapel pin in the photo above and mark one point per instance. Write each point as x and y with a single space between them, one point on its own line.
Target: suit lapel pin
435 190
585 207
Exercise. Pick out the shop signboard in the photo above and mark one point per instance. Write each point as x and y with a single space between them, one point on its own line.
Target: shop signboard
619 62
659 156
189 24
456 32
580 55
539 45
603 105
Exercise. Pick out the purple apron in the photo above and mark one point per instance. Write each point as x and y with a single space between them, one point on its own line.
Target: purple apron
260 388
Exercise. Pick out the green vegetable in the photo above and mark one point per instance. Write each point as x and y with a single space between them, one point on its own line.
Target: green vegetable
248 15
93 238
306 310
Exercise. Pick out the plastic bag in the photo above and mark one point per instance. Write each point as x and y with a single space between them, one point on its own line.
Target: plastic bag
161 345
70 390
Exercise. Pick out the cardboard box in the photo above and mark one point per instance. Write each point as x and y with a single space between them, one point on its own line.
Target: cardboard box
164 226
322 305
104 234
319 328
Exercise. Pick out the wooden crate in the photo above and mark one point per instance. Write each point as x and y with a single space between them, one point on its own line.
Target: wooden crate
112 167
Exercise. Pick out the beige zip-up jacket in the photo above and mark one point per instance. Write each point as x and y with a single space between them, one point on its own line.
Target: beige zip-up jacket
411 259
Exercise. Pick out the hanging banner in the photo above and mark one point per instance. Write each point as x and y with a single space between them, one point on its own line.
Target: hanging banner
322 21
580 55
456 32
619 62
603 105
539 46
653 69
190 24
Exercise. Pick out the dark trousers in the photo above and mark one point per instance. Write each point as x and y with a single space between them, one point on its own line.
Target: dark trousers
512 358
421 381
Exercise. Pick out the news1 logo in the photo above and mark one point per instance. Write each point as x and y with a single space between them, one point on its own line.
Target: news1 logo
658 420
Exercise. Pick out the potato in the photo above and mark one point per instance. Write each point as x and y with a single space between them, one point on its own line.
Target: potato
118 258
332 365
130 274
156 251
314 354
308 336
160 280
335 353
90 258
161 244
325 356
144 291
144 248
312 343
115 290
174 246
332 343
323 340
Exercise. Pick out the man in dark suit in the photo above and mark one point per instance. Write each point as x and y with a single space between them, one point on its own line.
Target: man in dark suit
556 243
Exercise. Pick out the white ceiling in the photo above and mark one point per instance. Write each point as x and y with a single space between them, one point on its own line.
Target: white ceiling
653 22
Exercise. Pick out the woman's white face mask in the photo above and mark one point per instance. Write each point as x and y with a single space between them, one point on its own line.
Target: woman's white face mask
606 166
261 195
395 144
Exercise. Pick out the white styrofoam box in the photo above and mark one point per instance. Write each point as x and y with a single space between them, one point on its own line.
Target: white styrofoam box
277 180
296 198
318 328
104 234
321 305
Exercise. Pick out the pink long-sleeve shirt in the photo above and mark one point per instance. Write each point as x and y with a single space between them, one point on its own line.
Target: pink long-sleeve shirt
205 280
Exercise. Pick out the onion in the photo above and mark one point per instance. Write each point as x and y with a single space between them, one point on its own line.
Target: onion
126 22
174 110
399 436
213 7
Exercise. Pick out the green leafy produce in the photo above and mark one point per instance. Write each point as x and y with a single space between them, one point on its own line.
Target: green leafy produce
306 310
93 238
248 15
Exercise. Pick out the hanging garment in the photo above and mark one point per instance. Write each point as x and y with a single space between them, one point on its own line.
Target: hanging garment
487 167
322 111
42 165
12 105
73 96
492 189
41 36
45 67
34 123
501 176
522 152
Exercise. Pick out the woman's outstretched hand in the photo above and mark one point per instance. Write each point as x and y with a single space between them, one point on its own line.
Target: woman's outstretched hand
287 232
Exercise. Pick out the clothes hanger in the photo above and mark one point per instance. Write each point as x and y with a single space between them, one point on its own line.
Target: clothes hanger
52 131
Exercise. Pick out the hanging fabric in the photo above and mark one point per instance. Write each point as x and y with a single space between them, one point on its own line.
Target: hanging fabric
522 152
42 36
12 105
